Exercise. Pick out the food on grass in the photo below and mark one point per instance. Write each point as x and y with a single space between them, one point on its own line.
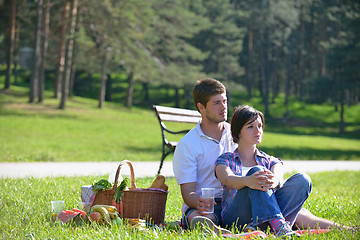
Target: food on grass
116 221
67 215
103 211
113 215
109 208
96 217
79 211
136 222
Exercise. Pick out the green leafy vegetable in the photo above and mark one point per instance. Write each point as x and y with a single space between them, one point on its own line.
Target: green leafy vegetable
120 189
101 185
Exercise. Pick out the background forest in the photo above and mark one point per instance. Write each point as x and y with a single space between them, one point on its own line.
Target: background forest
282 49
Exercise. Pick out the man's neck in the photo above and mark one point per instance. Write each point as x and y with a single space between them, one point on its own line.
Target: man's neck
213 130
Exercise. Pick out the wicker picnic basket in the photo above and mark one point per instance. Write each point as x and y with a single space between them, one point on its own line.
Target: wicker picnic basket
107 197
143 203
137 203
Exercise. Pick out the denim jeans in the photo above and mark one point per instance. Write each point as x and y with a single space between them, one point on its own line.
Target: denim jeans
256 207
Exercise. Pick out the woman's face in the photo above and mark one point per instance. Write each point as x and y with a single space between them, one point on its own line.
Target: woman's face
252 132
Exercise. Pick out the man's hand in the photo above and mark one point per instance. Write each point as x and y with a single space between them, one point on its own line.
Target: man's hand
202 206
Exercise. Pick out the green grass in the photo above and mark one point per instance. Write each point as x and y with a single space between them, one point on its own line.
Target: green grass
25 208
42 132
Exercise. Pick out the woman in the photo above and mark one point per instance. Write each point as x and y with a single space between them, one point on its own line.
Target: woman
254 193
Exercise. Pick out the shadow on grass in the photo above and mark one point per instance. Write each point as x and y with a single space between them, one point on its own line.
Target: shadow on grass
311 154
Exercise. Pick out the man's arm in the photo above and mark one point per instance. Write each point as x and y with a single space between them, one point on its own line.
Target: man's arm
188 192
192 199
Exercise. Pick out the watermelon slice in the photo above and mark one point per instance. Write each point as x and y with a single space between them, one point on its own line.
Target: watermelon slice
67 215
79 211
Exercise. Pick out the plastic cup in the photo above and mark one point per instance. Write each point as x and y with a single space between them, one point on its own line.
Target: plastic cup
57 206
85 206
209 194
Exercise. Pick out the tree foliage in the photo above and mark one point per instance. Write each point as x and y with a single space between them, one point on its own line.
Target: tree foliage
305 49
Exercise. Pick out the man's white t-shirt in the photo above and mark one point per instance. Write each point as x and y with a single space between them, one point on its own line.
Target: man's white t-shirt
195 156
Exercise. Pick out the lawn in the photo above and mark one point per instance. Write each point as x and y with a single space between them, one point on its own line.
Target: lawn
42 132
26 208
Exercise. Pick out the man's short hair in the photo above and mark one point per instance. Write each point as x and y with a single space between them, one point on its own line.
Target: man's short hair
206 88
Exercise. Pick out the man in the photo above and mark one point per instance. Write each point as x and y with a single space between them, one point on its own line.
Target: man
196 153
195 156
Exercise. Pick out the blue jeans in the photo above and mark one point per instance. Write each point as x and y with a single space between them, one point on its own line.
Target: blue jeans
257 207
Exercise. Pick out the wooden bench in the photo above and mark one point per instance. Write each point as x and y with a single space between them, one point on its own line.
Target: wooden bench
170 114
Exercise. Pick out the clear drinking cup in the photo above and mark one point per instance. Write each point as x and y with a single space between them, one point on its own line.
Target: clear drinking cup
209 194
57 206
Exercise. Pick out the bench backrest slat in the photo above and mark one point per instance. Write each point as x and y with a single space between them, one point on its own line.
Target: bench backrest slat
179 118
177 111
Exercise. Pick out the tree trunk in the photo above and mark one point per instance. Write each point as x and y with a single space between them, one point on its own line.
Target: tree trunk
16 53
267 56
37 58
177 97
103 81
288 75
249 75
301 53
145 91
11 43
69 57
342 122
187 96
72 79
61 51
262 66
45 29
108 88
130 90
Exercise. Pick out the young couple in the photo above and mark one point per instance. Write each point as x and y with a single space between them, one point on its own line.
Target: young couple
249 188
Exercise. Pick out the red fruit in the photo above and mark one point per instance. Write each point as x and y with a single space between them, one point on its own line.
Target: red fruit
79 211
96 217
67 215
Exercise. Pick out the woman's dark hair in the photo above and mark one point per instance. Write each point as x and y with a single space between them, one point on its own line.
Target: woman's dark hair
241 116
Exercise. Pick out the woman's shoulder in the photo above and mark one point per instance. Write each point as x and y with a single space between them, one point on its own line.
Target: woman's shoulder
226 157
266 156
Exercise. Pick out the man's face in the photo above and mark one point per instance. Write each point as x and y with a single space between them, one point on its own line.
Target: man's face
216 108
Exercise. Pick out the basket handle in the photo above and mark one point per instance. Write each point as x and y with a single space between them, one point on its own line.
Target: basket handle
132 175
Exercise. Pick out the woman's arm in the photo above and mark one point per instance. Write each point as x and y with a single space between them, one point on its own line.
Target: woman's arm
229 179
278 171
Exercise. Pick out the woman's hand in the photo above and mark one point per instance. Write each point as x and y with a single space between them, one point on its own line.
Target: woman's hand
263 180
